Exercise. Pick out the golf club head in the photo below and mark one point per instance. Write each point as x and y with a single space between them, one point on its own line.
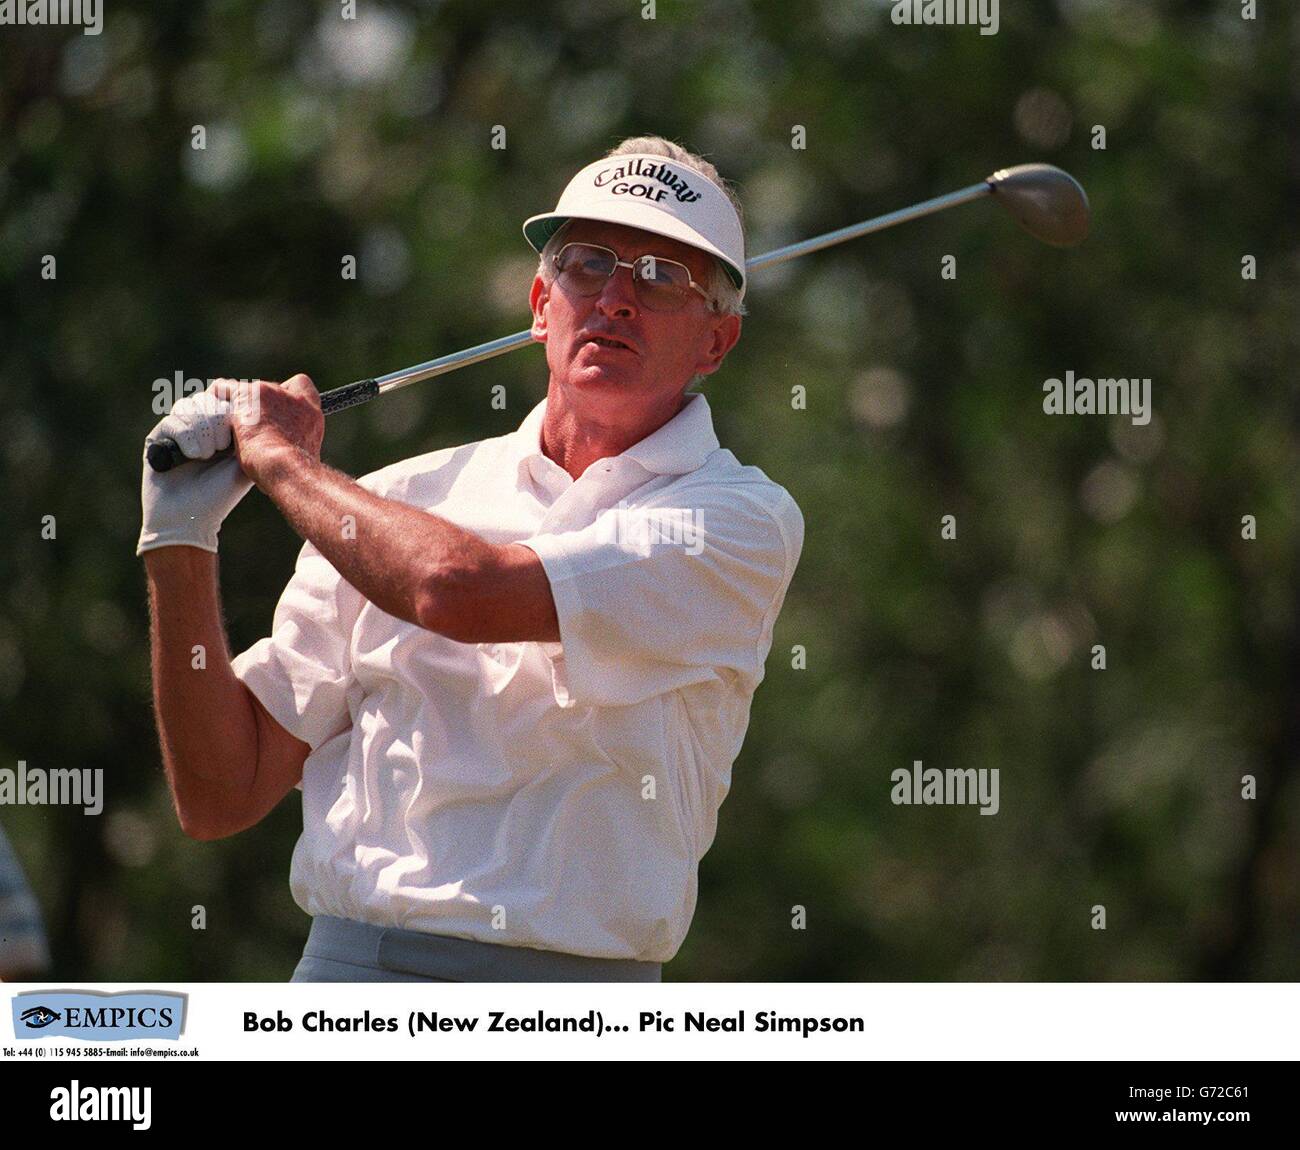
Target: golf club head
1048 203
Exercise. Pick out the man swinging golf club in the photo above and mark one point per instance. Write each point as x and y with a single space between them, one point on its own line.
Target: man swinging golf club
510 678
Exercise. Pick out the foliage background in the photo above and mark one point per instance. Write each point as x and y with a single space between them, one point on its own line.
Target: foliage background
1119 787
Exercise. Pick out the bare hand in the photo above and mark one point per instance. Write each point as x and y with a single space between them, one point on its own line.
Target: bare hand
270 418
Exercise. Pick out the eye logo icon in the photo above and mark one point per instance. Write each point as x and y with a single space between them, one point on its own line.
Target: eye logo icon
38 1017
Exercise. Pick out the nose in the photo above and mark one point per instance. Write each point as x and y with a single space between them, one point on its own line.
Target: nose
618 296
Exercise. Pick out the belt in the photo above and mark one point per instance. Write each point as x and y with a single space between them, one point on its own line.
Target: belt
440 956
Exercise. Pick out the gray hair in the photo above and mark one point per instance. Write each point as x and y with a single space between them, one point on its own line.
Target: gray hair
724 296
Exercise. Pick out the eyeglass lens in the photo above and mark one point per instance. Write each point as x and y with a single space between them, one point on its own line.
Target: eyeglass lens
661 285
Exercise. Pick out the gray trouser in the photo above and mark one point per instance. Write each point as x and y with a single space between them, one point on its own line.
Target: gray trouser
340 950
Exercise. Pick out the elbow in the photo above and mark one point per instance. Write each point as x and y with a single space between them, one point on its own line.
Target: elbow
198 830
204 828
444 604
428 609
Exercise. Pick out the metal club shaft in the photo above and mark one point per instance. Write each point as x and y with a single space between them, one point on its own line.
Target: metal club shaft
446 363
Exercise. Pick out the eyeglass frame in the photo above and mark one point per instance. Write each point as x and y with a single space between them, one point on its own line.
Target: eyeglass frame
631 265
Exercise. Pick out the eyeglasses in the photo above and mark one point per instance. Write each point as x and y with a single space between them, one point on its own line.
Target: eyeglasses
661 285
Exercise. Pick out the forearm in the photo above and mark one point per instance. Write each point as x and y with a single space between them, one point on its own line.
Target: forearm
395 555
206 725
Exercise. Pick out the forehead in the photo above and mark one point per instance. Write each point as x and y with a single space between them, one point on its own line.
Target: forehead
630 242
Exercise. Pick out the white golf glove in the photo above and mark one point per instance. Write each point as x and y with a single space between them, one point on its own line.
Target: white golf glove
187 504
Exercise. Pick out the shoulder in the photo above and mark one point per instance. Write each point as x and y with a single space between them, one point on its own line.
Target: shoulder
744 494
744 521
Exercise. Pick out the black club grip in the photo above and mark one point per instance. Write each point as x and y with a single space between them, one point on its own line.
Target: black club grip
164 454
349 395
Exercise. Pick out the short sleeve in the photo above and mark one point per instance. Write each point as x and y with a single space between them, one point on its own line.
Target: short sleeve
302 672
653 599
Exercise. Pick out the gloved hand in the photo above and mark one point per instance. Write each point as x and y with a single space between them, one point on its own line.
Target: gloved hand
188 504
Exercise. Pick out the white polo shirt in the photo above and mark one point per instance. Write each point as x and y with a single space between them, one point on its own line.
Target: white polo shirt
551 795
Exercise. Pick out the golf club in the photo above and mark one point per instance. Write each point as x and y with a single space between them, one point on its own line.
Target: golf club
1048 203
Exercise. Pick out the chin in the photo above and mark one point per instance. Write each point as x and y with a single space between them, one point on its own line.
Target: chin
601 377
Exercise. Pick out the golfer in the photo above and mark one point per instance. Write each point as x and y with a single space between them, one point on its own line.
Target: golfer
510 678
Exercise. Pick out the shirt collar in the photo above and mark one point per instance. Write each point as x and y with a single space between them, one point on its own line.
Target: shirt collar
680 446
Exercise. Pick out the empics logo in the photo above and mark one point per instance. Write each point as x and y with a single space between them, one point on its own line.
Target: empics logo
98 1017
77 1103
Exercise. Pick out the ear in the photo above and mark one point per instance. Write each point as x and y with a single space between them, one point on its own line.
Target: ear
537 299
722 335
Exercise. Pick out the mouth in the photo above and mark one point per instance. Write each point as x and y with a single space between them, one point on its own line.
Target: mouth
610 343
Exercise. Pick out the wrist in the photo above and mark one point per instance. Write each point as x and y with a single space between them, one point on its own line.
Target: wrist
177 559
278 462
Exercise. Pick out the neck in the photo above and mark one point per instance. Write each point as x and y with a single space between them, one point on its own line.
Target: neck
575 439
